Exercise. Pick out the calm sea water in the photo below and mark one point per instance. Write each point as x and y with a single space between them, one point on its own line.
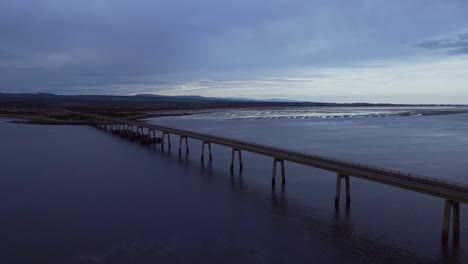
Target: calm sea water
72 194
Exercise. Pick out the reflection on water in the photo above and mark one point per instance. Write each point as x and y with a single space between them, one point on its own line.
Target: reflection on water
80 195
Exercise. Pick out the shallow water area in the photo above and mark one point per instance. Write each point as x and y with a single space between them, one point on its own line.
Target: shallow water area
76 194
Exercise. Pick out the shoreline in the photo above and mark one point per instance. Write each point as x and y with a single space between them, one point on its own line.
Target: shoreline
143 116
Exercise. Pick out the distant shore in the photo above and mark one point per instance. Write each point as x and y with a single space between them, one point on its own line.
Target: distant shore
65 117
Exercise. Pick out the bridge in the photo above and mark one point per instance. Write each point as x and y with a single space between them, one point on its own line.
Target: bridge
453 193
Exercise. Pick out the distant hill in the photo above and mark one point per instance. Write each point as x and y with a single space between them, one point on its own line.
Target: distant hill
148 102
240 99
141 101
202 97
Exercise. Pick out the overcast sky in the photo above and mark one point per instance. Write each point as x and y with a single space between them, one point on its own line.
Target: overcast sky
409 51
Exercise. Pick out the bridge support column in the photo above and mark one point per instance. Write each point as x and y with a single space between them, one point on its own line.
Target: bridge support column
283 175
203 151
338 190
129 131
186 145
449 205
168 140
141 132
234 150
152 134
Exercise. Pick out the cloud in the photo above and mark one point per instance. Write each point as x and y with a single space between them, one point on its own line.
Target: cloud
453 46
66 46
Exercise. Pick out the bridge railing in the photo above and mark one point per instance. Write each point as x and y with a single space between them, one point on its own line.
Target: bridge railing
369 167
376 169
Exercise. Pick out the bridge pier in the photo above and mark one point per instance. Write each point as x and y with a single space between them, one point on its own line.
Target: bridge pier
168 140
186 145
152 134
283 175
449 205
113 127
129 130
234 150
203 151
338 190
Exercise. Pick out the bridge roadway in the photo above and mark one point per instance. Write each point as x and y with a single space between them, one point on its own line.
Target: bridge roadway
453 193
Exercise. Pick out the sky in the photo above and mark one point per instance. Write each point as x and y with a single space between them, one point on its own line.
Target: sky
397 51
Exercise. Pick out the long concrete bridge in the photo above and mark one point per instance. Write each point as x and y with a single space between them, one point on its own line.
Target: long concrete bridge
453 193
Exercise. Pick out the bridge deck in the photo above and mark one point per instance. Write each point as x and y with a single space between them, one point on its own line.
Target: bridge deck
427 185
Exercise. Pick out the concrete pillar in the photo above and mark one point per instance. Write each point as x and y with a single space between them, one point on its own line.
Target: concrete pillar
446 223
456 222
283 174
339 177
168 140
127 130
449 205
203 151
154 136
186 145
338 191
348 191
234 150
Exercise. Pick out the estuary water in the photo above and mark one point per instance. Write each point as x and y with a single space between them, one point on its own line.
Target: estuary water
76 194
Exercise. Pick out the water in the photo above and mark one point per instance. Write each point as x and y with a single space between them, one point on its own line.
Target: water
72 194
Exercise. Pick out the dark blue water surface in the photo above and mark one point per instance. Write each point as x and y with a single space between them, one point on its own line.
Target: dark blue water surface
75 194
